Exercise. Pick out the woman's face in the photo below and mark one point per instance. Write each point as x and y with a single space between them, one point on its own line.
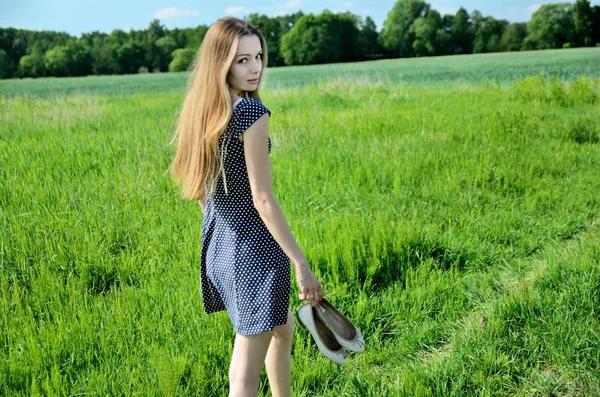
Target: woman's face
244 72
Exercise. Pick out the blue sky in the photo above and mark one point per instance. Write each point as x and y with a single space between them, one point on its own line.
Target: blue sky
79 16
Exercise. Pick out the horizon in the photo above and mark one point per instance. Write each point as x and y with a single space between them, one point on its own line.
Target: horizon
76 17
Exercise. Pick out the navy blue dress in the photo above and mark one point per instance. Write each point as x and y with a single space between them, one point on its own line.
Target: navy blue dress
242 268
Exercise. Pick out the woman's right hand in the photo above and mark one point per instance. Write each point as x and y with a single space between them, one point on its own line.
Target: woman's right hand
310 287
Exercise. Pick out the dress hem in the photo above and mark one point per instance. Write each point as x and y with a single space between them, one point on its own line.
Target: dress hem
262 329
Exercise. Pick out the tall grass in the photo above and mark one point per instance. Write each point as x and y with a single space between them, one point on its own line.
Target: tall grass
459 229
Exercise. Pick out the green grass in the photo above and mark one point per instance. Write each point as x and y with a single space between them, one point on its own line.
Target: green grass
458 228
504 68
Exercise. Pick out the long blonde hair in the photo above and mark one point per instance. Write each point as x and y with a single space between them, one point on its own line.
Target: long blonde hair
206 110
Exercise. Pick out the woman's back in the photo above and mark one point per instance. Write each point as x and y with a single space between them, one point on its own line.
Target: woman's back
245 113
243 268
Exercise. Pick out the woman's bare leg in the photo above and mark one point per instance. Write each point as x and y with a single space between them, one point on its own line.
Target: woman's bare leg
278 358
247 361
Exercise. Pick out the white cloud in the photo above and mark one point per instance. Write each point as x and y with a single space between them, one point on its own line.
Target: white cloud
524 13
348 4
533 8
444 10
172 12
236 10
290 4
520 14
284 8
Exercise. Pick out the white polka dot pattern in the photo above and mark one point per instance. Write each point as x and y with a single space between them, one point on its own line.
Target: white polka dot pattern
242 267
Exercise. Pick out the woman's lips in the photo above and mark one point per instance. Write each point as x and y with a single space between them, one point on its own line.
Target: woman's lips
255 81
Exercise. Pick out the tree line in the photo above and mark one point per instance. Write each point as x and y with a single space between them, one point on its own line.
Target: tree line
412 29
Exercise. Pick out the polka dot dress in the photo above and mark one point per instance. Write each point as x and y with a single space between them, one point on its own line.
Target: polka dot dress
242 268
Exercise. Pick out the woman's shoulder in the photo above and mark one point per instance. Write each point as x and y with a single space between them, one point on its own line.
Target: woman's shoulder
248 110
250 103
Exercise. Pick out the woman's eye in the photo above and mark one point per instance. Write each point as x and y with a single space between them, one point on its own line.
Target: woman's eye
244 59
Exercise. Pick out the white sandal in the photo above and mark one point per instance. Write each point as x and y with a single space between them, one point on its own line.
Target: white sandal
323 337
344 331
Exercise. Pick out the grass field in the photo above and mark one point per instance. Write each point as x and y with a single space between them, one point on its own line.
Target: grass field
504 68
458 225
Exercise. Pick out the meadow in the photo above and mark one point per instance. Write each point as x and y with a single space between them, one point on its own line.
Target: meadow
447 71
457 223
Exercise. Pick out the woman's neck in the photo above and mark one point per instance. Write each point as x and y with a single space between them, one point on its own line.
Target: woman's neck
237 93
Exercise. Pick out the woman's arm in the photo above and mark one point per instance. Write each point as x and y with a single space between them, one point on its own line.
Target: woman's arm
202 204
259 173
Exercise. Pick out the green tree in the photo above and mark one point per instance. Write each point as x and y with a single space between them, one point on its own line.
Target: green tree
21 42
513 37
182 59
45 40
18 43
368 39
444 36
164 52
6 65
7 37
155 31
273 30
80 58
195 36
130 57
180 37
396 36
148 41
488 33
584 23
102 52
321 38
117 36
347 27
56 61
462 33
551 26
595 25
32 65
72 59
426 30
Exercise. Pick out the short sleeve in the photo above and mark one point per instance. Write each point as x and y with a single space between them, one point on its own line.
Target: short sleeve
249 110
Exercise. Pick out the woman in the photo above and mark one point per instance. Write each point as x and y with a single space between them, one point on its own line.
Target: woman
222 161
